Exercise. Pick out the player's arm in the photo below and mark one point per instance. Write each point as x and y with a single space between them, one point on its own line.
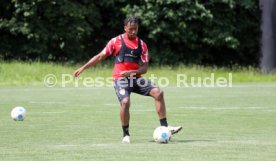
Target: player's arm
92 62
143 68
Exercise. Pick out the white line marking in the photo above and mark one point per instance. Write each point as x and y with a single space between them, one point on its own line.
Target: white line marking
84 145
57 112
146 110
47 102
225 108
111 104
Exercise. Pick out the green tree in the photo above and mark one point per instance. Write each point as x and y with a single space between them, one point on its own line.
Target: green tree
222 32
48 30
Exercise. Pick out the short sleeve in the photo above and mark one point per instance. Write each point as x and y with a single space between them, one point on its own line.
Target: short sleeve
110 47
145 54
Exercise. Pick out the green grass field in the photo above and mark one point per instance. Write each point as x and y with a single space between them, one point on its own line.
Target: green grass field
71 124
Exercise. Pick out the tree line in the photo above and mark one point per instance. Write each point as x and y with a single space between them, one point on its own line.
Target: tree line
213 32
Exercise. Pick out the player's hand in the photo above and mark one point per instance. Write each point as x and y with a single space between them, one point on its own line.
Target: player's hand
127 73
78 72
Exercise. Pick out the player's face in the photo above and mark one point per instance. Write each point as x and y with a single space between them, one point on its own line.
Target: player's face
131 30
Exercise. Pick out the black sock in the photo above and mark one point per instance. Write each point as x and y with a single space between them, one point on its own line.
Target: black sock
163 122
125 130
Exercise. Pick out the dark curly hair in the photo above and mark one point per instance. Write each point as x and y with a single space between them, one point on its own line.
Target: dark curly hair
131 19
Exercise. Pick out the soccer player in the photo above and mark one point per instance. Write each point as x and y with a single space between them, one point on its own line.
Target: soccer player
131 61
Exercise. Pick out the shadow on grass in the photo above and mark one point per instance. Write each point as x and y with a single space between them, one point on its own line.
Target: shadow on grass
190 141
187 141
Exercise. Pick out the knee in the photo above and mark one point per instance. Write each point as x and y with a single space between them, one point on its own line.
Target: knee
158 93
125 102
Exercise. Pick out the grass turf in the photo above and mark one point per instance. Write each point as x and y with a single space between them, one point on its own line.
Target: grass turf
26 74
235 123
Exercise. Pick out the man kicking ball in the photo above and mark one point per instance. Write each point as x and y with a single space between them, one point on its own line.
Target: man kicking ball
131 61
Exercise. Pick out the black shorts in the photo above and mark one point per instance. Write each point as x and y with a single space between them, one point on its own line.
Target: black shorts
124 87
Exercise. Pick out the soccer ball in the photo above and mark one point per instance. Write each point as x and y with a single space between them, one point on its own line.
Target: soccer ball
18 113
161 134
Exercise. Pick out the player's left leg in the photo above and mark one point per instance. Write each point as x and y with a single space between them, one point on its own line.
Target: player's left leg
158 96
147 88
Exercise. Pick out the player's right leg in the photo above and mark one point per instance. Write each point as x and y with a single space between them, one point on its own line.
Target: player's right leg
125 116
123 93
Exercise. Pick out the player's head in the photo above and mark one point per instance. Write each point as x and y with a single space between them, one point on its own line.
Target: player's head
131 26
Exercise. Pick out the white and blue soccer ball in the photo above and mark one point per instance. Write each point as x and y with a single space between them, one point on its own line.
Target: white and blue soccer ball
18 113
162 135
